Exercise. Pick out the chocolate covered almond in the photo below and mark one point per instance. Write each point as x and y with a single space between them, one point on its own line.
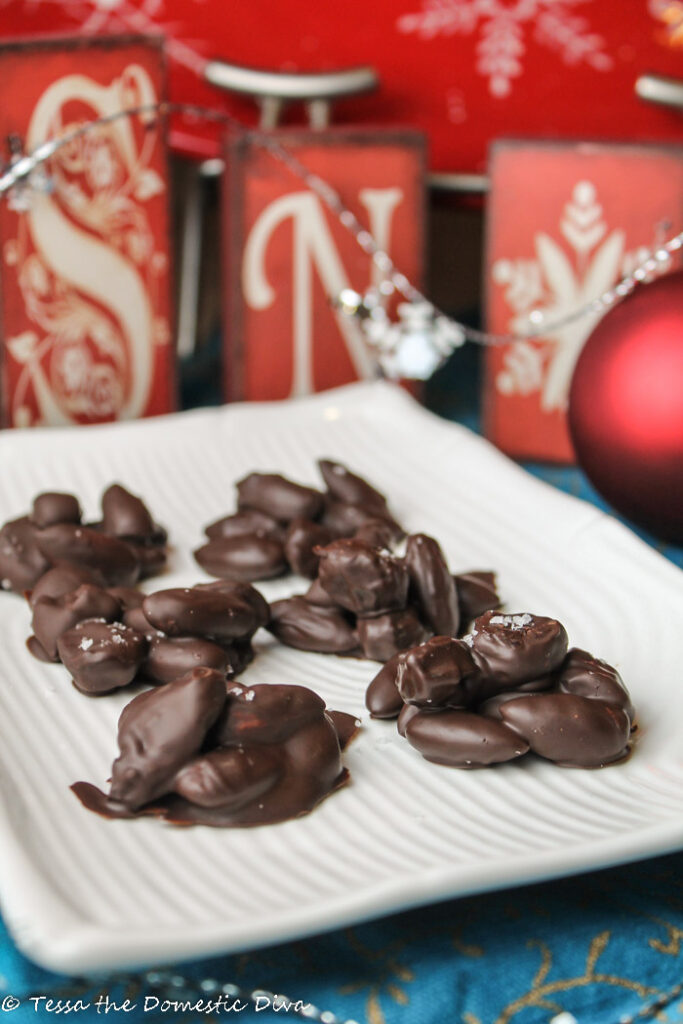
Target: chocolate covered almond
112 558
101 656
54 616
462 739
309 627
383 636
241 524
432 589
515 648
55 507
62 579
126 515
278 497
266 714
570 730
363 579
212 614
169 658
302 537
247 557
22 562
477 593
229 777
586 676
160 731
348 487
436 673
346 520
382 698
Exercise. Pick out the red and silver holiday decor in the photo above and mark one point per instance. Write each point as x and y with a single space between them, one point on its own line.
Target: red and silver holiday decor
565 223
626 407
290 253
84 241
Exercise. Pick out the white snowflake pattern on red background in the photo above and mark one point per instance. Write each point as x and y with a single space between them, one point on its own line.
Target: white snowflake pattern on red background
503 29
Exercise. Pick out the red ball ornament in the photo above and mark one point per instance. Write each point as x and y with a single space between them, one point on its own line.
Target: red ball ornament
626 407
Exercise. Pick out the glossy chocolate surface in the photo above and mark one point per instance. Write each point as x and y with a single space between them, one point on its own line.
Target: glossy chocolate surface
62 579
126 515
570 730
383 636
55 507
302 537
246 557
169 658
160 731
363 579
278 497
514 648
22 562
348 488
462 739
434 673
101 656
195 752
586 676
382 698
53 616
112 558
214 614
244 523
477 593
346 520
432 589
298 623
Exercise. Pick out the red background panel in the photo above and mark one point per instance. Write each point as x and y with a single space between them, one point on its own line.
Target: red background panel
463 71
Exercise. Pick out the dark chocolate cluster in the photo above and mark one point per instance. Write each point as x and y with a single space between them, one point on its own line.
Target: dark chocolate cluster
279 524
367 602
199 750
125 546
508 687
363 601
109 638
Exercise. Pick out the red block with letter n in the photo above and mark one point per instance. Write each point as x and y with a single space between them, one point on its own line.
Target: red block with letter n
85 267
288 256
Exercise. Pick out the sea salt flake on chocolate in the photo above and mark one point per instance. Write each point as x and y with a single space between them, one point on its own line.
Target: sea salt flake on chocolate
512 621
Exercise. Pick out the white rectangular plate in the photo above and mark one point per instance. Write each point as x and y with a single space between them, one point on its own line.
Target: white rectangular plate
82 893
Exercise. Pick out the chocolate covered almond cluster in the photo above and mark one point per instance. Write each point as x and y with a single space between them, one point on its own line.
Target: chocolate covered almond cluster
199 750
508 687
368 602
279 524
109 638
125 546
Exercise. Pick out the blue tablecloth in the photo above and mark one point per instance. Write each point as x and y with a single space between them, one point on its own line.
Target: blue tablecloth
605 948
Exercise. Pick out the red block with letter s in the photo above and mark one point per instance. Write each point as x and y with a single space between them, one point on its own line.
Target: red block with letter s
84 247
288 256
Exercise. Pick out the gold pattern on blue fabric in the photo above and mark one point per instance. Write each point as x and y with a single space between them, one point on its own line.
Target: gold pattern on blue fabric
542 990
387 972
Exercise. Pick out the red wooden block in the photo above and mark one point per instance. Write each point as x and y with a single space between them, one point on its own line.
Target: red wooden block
87 332
288 257
566 221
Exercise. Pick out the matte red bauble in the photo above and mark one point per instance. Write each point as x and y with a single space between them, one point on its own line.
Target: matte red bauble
626 407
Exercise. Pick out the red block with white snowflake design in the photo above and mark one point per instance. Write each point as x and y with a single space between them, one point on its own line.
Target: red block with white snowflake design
85 256
565 223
